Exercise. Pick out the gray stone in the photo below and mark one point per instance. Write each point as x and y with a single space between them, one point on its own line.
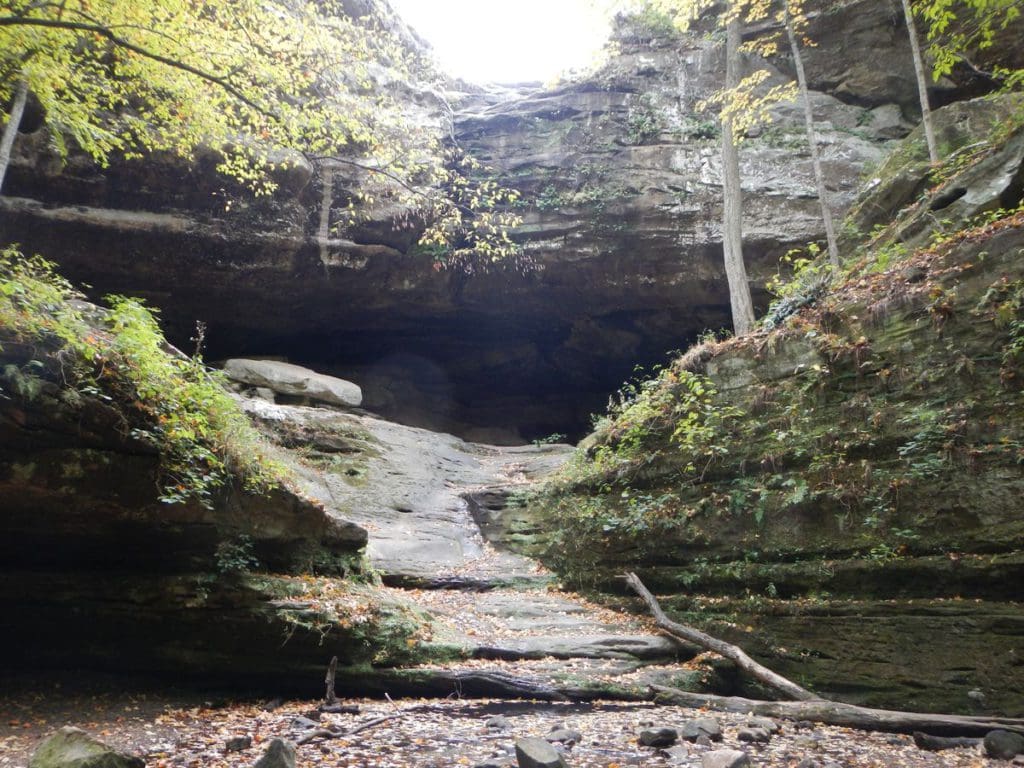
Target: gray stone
265 393
304 723
294 380
725 758
887 122
680 753
706 726
564 736
279 754
764 722
754 735
658 737
1003 745
74 748
498 723
537 753
237 743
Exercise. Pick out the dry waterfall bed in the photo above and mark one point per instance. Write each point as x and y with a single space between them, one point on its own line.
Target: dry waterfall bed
191 733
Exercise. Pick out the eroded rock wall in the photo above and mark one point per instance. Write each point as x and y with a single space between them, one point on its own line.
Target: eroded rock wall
856 474
620 179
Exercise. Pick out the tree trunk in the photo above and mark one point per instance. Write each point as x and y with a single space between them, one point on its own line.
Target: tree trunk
732 219
922 83
11 129
726 650
845 715
812 139
330 697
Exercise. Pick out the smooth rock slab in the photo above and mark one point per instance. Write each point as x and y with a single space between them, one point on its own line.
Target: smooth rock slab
642 647
74 748
725 758
294 380
537 753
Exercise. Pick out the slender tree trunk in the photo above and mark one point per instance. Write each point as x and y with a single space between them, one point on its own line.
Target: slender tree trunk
922 83
812 139
732 219
11 129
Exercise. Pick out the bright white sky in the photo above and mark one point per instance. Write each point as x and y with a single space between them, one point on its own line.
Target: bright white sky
507 41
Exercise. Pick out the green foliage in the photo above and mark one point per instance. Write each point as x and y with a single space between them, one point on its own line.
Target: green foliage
1005 301
926 452
553 439
266 85
550 199
171 401
957 29
676 405
642 122
674 413
198 427
809 278
653 22
236 555
134 76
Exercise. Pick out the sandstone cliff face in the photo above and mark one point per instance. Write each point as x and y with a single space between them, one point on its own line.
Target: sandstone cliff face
857 469
623 180
100 573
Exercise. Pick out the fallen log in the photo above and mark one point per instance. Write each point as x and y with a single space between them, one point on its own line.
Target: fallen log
846 715
939 743
726 650
807 706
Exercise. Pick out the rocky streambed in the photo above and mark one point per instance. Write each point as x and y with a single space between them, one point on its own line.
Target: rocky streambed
169 731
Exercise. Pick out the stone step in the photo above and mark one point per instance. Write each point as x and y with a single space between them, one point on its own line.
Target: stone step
624 647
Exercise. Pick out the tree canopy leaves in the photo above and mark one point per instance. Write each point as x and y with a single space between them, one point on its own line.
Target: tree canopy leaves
262 82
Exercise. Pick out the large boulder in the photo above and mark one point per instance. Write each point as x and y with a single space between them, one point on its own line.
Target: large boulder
294 381
537 753
74 748
1004 745
279 754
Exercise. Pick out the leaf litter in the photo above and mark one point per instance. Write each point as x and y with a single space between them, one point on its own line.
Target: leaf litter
169 732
